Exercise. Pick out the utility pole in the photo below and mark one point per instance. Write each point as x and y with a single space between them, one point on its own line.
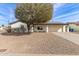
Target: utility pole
8 22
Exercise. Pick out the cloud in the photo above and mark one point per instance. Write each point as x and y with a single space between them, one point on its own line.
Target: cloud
71 18
6 13
58 5
2 17
67 13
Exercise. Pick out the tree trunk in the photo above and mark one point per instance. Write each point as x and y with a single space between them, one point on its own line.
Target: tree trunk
28 27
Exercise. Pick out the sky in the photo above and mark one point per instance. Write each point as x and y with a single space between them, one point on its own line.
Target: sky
7 13
62 12
66 12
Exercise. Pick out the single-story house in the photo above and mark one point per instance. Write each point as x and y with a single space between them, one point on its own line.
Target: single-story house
46 27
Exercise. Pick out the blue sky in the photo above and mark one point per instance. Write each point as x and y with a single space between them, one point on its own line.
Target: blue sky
7 13
66 12
63 12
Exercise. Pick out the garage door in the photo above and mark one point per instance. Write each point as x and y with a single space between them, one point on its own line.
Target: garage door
55 28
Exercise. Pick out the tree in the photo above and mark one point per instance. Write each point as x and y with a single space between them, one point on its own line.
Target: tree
23 29
33 13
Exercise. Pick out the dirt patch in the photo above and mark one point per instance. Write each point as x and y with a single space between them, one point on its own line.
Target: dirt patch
3 50
38 44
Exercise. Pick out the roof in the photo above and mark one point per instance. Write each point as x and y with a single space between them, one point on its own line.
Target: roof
13 22
76 23
71 22
43 23
52 24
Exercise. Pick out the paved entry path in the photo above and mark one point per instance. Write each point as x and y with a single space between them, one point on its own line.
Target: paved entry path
68 36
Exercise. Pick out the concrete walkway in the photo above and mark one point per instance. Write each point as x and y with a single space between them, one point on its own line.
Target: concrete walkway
68 36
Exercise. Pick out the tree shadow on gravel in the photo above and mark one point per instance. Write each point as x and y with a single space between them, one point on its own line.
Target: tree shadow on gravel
15 34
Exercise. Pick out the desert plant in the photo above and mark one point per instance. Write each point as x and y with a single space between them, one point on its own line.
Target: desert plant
9 29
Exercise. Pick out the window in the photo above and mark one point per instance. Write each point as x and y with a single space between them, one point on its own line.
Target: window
39 28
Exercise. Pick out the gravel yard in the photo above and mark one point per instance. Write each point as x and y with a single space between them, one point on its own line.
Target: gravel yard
37 44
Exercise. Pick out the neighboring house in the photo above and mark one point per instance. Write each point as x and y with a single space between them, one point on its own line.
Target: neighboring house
2 29
49 27
73 26
16 26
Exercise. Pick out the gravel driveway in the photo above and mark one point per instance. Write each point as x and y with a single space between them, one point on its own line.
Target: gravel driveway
37 44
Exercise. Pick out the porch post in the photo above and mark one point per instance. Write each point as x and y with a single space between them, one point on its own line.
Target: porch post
32 29
64 28
47 28
67 28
